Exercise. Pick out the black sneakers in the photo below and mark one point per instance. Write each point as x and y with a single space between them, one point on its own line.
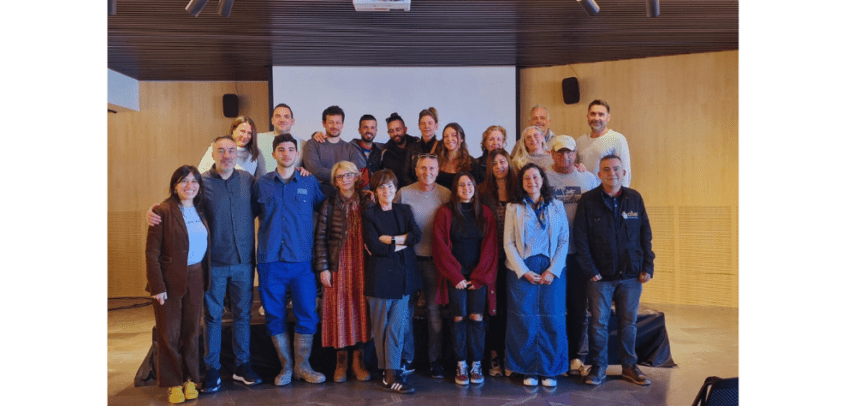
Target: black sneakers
436 370
398 386
633 374
212 382
406 368
245 375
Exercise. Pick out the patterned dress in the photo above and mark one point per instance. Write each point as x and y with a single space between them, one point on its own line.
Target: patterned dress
344 308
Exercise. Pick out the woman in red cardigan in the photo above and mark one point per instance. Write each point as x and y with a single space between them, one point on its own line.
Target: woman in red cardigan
465 251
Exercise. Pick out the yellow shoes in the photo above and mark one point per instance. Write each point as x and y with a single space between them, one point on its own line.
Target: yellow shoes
175 395
179 394
190 390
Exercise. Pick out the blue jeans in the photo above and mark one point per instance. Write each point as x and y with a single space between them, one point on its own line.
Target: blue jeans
577 310
388 320
276 278
434 316
240 280
467 334
625 293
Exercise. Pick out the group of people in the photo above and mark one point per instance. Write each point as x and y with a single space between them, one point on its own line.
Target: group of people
534 240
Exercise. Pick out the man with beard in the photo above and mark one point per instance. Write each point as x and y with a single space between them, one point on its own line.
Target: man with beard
394 153
372 151
602 141
320 157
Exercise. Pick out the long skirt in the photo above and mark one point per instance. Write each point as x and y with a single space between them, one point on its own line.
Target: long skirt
345 320
536 338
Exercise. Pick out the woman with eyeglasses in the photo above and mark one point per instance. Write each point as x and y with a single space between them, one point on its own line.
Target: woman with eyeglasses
532 148
340 266
494 137
496 192
390 234
454 157
177 272
248 157
536 242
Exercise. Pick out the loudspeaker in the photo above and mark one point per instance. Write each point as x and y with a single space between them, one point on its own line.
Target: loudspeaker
570 90
231 105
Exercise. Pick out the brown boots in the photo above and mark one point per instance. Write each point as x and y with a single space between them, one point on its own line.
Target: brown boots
361 373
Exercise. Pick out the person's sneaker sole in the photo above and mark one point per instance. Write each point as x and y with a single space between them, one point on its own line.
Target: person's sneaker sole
594 381
238 378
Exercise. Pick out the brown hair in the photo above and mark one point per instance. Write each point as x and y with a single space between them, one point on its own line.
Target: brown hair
252 145
463 161
458 217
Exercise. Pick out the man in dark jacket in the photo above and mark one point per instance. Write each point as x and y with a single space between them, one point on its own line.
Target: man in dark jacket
394 154
372 151
613 246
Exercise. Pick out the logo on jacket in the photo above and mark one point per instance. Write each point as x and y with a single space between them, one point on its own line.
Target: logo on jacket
630 215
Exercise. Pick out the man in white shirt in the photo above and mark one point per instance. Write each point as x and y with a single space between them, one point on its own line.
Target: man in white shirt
602 141
283 121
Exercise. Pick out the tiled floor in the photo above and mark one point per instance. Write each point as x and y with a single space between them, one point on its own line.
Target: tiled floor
704 343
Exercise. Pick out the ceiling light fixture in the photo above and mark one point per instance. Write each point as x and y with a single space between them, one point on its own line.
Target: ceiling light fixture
224 7
194 7
590 6
652 8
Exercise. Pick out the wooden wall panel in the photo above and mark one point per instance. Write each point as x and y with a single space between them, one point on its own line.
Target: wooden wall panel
175 124
680 117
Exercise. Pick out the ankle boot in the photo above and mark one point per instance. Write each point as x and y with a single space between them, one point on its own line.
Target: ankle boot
361 373
282 347
340 370
302 369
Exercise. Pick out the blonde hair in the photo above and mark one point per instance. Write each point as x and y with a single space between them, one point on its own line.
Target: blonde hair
521 153
347 165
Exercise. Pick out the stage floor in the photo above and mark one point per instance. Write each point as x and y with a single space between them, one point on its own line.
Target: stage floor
704 343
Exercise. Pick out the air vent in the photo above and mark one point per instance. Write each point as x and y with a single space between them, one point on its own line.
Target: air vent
381 5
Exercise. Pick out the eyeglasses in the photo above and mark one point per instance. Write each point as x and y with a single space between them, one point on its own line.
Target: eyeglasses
349 175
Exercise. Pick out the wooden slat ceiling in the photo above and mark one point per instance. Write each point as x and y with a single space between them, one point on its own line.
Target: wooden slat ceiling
159 40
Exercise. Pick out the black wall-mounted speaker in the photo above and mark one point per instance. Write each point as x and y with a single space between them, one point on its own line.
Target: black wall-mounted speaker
570 90
231 105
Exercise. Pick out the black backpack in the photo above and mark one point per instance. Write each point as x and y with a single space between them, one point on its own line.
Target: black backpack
718 392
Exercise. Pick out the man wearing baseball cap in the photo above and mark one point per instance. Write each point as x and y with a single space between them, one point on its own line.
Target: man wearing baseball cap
568 185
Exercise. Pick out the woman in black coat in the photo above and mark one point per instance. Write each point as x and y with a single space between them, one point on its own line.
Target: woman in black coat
390 233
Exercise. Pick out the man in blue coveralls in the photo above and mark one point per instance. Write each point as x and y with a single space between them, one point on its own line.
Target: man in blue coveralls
285 201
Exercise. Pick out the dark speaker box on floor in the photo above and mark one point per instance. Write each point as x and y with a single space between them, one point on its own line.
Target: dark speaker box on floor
231 105
570 90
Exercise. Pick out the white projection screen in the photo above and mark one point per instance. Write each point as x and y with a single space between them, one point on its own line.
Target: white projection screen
474 97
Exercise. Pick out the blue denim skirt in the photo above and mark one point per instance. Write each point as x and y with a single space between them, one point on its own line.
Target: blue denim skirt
536 337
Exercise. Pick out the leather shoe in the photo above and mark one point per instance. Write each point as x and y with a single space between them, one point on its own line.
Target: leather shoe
596 375
633 374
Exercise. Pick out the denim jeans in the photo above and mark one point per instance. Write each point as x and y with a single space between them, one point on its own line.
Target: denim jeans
467 334
434 316
239 279
577 310
276 278
601 294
